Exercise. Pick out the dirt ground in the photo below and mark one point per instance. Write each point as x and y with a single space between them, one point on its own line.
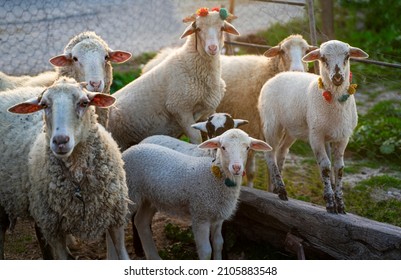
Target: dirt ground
21 244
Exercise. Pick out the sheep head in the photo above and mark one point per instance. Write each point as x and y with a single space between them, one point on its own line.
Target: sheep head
333 59
290 52
65 104
209 27
233 146
86 58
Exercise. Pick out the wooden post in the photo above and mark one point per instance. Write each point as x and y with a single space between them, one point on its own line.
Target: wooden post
327 18
263 217
312 28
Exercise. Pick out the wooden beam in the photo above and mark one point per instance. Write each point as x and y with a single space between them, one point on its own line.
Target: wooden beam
263 217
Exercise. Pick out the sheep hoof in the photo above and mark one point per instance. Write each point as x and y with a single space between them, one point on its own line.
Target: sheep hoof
282 194
341 210
331 210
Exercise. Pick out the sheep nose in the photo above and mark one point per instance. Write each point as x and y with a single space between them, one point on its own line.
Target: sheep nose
95 85
212 48
337 79
61 140
236 168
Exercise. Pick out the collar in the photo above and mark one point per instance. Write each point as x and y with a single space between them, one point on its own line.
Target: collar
328 96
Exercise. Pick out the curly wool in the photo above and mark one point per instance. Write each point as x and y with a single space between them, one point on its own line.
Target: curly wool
52 202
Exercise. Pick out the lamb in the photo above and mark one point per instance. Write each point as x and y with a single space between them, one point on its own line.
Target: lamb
206 190
184 88
318 109
215 125
75 182
245 76
87 58
11 82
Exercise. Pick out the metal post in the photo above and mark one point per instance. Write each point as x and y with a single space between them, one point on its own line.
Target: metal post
312 27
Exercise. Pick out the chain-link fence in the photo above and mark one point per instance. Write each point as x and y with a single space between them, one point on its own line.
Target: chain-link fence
32 31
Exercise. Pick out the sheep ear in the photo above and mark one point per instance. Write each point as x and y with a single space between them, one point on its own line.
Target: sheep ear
259 145
312 56
239 122
61 60
210 144
27 107
189 30
100 100
273 51
200 126
311 48
190 18
229 28
357 53
119 56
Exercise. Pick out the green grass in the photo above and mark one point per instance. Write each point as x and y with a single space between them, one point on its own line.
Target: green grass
364 200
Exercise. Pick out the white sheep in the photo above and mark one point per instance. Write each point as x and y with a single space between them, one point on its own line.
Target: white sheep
245 76
206 190
184 88
87 58
71 178
11 82
318 109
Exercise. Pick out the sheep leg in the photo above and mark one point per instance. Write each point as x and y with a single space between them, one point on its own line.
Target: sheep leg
338 155
138 249
319 149
59 246
44 246
250 168
275 177
4 224
116 249
143 221
185 120
217 239
285 144
201 232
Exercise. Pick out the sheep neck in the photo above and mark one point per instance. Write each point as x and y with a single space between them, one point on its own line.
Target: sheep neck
328 94
223 173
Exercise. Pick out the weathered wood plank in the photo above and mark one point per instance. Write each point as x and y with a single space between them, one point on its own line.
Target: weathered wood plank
262 216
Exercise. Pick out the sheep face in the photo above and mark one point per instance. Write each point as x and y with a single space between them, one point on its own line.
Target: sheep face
291 50
218 123
233 146
65 104
88 60
333 59
209 30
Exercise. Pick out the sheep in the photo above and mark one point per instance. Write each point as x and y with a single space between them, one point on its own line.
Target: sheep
184 88
11 82
87 58
75 182
206 190
318 109
245 75
215 125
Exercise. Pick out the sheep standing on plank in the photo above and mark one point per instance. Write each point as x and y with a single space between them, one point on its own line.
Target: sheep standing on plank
87 58
184 88
245 76
318 109
75 183
206 190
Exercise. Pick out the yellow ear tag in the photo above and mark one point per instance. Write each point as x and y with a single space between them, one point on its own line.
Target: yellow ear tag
216 171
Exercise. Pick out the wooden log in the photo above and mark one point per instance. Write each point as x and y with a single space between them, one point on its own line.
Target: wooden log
263 217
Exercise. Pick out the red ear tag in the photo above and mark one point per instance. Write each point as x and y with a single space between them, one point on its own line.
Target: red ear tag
327 95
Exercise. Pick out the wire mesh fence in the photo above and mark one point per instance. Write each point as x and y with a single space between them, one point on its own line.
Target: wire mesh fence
32 31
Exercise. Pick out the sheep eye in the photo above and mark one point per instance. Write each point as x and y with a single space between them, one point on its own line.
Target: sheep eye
247 148
44 105
106 57
224 148
84 103
75 58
